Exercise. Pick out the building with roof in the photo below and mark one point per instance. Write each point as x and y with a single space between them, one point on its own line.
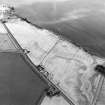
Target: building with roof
6 11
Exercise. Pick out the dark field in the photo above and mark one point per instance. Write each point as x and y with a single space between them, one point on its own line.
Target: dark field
88 31
18 84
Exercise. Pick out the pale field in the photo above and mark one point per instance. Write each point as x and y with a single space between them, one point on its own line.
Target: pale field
2 29
101 98
54 101
72 70
37 41
5 42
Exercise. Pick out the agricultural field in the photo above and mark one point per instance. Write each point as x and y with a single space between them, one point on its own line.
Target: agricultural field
66 38
18 84
70 67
